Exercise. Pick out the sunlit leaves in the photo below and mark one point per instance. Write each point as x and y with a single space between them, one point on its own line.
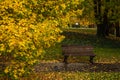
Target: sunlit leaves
28 27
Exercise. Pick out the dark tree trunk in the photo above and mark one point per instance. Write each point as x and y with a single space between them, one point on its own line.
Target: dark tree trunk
100 32
106 23
98 17
117 26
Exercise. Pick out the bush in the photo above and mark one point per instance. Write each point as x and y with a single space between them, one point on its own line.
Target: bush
28 28
23 41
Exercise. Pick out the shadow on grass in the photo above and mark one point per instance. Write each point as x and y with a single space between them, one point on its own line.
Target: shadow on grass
81 67
84 38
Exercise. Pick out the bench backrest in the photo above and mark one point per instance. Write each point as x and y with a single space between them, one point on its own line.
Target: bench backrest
77 50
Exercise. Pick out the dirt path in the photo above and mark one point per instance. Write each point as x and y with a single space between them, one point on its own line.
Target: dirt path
83 67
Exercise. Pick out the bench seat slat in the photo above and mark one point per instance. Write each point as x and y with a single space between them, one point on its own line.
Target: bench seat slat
82 54
78 51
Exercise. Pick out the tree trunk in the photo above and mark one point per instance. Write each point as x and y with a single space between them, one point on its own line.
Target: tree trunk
100 30
117 26
105 23
98 17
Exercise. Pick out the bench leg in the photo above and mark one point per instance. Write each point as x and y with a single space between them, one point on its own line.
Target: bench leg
91 59
65 62
65 59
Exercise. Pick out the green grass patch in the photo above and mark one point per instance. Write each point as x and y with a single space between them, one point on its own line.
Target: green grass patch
74 76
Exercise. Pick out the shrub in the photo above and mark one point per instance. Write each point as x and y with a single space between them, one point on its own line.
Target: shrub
27 28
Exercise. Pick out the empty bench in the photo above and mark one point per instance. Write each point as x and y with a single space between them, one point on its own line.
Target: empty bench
77 50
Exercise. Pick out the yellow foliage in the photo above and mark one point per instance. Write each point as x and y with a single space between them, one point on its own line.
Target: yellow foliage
27 27
63 6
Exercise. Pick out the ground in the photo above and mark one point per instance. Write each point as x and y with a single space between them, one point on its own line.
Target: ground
82 67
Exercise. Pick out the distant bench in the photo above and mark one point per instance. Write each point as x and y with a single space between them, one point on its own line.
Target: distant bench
77 50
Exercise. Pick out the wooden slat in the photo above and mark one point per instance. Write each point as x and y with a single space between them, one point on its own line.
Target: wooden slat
82 54
75 50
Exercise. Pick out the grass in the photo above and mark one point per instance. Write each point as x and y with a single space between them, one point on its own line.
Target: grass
75 76
106 49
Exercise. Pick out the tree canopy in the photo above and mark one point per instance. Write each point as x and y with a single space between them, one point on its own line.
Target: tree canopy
28 27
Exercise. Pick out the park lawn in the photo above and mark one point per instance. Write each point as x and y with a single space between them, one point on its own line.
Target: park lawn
74 76
106 49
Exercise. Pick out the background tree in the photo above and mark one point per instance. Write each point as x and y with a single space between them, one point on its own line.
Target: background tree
116 13
105 13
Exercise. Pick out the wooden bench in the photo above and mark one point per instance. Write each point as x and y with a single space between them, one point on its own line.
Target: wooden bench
77 50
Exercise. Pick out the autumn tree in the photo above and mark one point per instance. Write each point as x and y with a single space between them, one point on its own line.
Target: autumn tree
28 27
